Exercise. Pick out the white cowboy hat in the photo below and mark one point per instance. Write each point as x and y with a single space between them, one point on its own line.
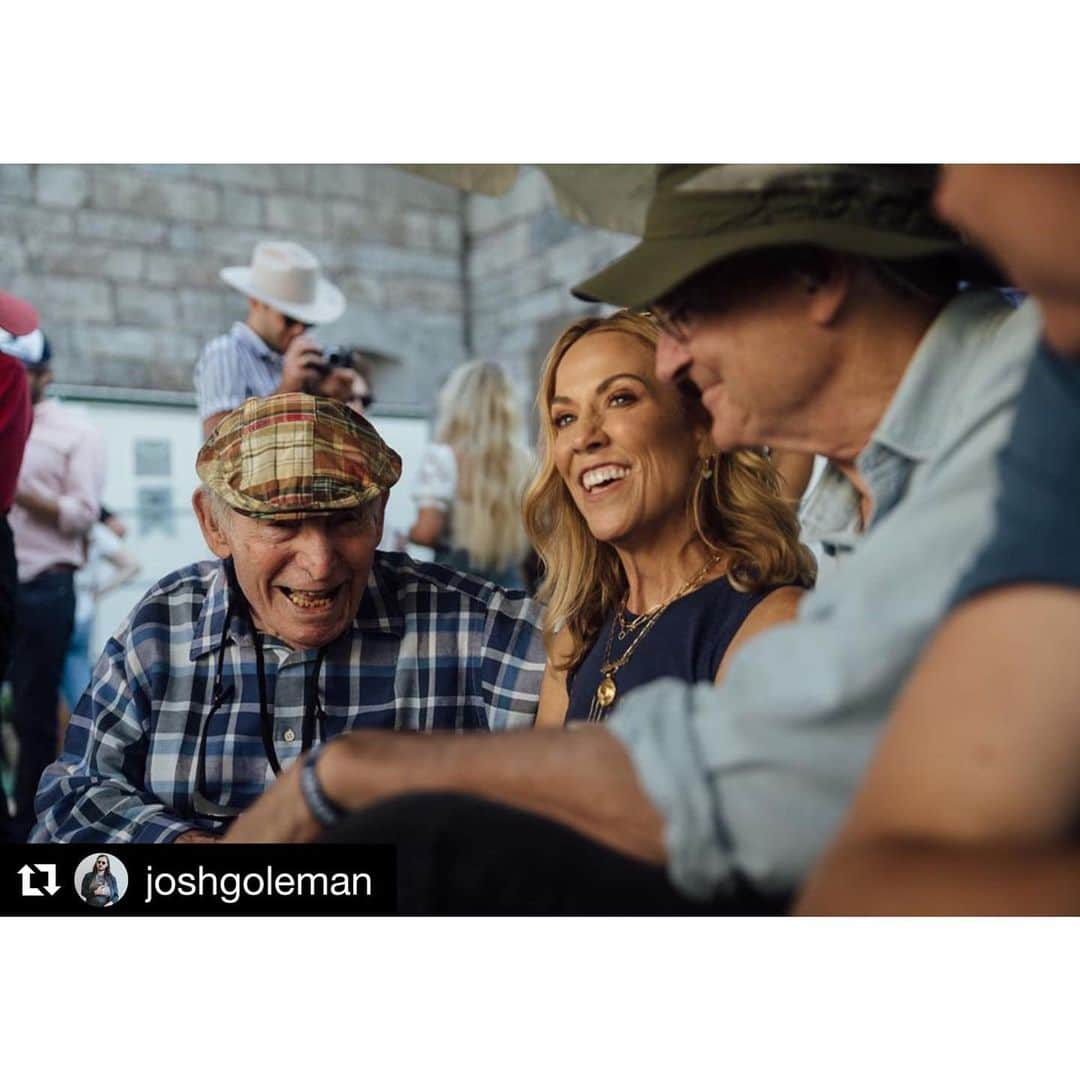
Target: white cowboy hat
286 276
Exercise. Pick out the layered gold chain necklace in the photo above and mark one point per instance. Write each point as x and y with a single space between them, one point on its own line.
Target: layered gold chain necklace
606 691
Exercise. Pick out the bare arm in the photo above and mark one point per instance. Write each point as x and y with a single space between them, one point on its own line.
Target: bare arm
127 568
581 778
978 776
42 507
554 700
778 607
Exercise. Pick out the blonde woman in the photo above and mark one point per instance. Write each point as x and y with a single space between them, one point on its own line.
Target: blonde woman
471 477
661 556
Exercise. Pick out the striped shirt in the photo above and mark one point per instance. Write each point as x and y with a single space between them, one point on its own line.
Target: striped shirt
234 367
430 649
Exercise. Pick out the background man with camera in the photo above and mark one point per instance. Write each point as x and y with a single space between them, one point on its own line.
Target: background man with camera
270 353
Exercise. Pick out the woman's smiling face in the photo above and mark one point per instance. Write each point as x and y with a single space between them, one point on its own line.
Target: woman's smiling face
623 443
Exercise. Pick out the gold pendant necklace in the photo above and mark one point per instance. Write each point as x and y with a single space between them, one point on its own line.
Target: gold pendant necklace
607 691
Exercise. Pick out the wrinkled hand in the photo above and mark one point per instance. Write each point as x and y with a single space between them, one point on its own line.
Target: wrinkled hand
278 816
297 375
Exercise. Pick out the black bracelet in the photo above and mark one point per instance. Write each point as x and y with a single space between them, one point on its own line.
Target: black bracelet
323 808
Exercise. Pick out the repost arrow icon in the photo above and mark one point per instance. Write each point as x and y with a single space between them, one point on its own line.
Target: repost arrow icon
26 873
49 869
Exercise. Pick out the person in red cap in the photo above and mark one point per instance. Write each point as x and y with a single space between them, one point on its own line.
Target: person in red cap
57 500
17 318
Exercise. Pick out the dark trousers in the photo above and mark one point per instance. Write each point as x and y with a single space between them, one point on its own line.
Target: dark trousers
44 618
7 633
462 856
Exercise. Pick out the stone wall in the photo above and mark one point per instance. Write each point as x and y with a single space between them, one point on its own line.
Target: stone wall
122 261
523 257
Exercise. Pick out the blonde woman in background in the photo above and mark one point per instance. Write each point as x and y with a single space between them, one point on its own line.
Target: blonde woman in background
661 556
472 475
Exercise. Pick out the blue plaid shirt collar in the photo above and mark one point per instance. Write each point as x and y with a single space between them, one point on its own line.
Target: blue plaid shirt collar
379 612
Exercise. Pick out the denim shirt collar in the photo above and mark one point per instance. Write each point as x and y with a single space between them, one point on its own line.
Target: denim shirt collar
912 424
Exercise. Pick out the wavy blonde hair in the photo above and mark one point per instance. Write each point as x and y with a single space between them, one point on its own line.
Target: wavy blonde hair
739 511
479 418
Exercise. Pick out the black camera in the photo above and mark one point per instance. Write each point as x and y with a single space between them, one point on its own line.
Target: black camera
338 356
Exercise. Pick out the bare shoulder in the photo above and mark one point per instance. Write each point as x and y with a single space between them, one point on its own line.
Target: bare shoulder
554 699
780 606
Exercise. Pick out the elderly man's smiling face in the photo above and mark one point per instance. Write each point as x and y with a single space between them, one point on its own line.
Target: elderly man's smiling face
303 580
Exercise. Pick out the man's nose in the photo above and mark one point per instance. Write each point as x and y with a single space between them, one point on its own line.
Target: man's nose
314 552
672 358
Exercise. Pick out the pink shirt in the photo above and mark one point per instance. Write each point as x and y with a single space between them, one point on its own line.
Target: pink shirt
64 462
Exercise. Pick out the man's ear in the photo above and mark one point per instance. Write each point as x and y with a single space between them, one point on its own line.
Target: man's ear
217 540
828 292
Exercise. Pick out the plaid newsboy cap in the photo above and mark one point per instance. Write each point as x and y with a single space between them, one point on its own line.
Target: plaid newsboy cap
293 455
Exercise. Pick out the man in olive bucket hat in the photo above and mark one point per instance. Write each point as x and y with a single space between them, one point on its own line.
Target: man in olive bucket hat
227 671
818 309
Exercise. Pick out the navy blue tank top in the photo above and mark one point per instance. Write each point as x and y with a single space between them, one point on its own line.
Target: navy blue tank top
687 642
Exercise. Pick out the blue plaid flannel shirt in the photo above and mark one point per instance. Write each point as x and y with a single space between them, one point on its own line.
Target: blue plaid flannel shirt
431 649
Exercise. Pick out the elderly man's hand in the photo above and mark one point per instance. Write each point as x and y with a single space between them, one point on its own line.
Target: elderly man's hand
278 816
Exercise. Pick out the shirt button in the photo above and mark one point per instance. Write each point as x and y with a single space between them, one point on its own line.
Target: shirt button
289 735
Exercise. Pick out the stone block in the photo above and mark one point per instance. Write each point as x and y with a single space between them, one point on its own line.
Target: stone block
364 290
230 247
424 294
120 228
251 177
346 220
344 181
433 231
123 188
395 187
392 261
139 305
205 311
186 237
119 343
66 299
168 170
21 219
65 186
499 250
241 208
17 181
12 259
78 258
173 269
296 216
449 234
295 177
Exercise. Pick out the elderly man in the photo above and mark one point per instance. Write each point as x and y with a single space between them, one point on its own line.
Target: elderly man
970 805
227 671
270 352
818 310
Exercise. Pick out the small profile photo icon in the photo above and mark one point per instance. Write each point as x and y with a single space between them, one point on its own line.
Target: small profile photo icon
101 880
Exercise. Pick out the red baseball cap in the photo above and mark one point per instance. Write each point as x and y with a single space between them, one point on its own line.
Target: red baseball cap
17 317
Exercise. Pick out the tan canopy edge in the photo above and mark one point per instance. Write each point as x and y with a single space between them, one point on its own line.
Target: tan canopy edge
612 197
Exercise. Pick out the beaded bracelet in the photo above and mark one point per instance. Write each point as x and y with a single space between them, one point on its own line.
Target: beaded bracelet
323 808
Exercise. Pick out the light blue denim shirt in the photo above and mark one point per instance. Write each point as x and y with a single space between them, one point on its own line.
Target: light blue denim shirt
752 777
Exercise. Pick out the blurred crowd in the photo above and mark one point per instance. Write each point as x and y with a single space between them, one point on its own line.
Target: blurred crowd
663 663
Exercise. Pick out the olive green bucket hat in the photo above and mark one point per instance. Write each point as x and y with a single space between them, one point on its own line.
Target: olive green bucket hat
293 455
701 214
